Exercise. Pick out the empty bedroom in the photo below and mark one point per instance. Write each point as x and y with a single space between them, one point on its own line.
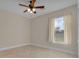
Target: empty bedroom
38 29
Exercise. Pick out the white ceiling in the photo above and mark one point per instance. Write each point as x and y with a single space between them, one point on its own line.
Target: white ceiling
78 3
50 6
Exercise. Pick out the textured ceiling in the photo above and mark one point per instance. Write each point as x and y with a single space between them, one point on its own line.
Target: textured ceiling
50 6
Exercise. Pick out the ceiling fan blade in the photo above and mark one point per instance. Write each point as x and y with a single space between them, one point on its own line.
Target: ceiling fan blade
25 11
23 5
33 2
39 7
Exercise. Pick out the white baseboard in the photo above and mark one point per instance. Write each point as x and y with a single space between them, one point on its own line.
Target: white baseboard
56 49
15 46
34 44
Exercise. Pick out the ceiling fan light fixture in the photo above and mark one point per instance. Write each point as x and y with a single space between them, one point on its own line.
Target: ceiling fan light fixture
34 9
28 10
31 12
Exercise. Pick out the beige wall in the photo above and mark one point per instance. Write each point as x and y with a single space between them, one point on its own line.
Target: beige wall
78 29
14 30
40 31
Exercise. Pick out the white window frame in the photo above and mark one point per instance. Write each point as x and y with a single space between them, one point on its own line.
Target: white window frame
54 41
52 29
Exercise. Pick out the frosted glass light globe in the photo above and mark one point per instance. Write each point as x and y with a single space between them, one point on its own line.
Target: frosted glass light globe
31 12
33 9
28 10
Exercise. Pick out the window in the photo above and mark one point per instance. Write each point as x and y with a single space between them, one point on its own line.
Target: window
59 24
60 30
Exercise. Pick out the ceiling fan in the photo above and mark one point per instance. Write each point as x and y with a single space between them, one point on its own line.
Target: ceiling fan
31 7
